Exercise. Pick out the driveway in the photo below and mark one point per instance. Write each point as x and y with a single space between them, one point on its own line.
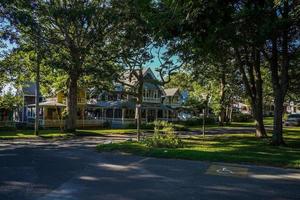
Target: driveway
73 170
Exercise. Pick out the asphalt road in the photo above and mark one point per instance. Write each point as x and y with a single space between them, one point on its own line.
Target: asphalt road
73 170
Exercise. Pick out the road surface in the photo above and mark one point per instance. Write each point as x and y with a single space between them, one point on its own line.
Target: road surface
73 170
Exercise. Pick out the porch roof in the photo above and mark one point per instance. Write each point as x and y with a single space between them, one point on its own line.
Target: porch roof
48 103
113 104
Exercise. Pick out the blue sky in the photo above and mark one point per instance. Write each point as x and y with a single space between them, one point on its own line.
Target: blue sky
9 47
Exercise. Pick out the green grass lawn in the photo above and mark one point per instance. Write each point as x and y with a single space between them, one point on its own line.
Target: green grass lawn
235 148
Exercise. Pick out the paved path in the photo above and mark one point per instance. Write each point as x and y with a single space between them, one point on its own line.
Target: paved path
73 170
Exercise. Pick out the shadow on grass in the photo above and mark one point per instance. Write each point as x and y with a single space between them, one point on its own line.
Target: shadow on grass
105 132
29 134
54 133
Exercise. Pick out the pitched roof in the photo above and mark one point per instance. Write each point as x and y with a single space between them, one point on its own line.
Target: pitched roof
171 91
49 103
130 79
29 89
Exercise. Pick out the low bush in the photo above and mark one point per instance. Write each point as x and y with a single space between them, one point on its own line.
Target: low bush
7 128
180 127
145 126
106 125
198 121
130 126
24 126
241 117
151 125
164 136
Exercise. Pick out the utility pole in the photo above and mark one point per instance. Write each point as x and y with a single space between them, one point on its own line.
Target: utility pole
203 122
205 111
37 93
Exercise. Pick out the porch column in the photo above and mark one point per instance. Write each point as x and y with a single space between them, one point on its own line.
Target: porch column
123 115
113 113
167 115
44 113
146 111
156 111
83 108
175 113
102 116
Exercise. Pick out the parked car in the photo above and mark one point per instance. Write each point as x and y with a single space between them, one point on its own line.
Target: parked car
293 120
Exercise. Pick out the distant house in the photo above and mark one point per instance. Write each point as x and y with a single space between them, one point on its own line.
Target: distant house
241 107
28 97
290 107
293 107
51 109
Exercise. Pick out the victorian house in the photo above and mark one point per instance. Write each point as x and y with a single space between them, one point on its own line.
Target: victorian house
118 107
114 108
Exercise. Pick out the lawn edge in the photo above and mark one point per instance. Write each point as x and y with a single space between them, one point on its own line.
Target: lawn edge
145 154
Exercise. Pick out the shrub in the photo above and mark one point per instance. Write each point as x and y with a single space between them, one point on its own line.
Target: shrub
145 126
241 117
180 127
25 126
164 136
106 125
149 125
7 128
130 126
285 116
199 120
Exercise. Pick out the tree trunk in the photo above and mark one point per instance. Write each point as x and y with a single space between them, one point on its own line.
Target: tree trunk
222 113
37 95
277 137
279 68
138 118
230 114
253 86
260 130
258 110
70 125
138 109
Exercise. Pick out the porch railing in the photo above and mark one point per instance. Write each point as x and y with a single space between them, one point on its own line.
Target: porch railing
93 122
7 124
151 100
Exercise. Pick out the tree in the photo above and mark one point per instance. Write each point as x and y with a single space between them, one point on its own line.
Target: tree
218 34
77 35
281 48
139 46
10 101
182 80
